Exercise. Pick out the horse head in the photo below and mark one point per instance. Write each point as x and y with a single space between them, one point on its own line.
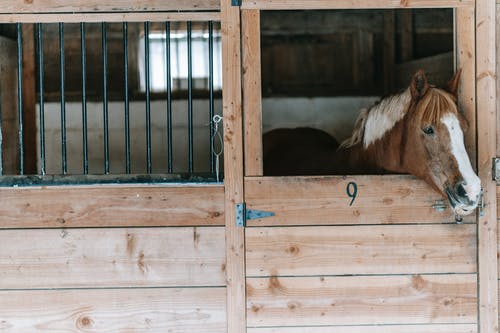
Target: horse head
432 143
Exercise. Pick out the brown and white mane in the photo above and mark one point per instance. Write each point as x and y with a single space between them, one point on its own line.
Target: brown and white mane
418 131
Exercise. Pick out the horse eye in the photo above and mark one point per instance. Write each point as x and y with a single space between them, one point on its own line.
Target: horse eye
429 130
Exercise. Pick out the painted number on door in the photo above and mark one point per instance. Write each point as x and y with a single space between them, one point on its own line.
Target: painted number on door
352 191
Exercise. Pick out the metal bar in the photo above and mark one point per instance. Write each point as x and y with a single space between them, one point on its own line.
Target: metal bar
148 97
126 97
20 96
105 96
190 95
168 72
211 91
41 99
63 100
84 99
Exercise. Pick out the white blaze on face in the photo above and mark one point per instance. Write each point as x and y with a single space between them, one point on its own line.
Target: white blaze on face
473 183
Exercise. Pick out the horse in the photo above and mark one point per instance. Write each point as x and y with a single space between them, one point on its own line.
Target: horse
418 131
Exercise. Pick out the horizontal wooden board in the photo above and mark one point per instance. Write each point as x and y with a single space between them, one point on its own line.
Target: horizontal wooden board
118 310
108 17
111 205
340 250
351 4
69 6
90 258
458 328
325 200
362 300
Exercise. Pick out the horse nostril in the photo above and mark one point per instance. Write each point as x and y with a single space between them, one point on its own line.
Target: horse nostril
460 190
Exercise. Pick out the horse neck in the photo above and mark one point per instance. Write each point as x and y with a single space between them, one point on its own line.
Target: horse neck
379 157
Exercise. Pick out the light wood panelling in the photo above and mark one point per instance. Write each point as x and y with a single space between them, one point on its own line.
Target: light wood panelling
324 200
350 4
458 328
111 205
360 300
486 150
252 91
90 258
70 6
466 61
233 165
108 17
115 310
405 249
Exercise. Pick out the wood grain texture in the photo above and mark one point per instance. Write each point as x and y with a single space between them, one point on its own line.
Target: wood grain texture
108 17
111 205
350 4
324 200
233 165
117 310
362 300
466 61
487 146
90 258
458 328
252 91
69 6
339 250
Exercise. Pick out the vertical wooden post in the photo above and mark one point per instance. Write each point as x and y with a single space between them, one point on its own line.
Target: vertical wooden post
466 61
486 138
233 166
405 16
29 100
252 91
389 59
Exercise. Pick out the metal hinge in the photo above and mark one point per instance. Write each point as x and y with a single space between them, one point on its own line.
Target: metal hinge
243 214
236 3
496 169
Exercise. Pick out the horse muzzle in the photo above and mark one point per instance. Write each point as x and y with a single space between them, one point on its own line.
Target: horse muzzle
460 201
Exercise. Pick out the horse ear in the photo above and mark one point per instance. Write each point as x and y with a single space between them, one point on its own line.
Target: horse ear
419 85
452 86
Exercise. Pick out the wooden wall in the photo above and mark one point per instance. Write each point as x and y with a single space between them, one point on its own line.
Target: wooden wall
112 258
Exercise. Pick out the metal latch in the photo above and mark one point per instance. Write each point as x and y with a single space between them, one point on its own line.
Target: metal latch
496 169
243 214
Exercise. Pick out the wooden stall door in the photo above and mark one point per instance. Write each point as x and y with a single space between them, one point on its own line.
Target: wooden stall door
354 253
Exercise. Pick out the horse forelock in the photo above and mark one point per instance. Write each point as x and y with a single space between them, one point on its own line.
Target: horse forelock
374 123
434 105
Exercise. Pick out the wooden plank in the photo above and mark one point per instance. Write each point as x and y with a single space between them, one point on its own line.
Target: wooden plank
497 34
111 205
252 92
70 6
341 250
389 59
29 100
486 143
108 17
117 310
466 61
324 200
458 328
405 17
233 165
351 4
90 258
362 300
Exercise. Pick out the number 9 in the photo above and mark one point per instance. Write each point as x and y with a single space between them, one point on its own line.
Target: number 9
352 191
